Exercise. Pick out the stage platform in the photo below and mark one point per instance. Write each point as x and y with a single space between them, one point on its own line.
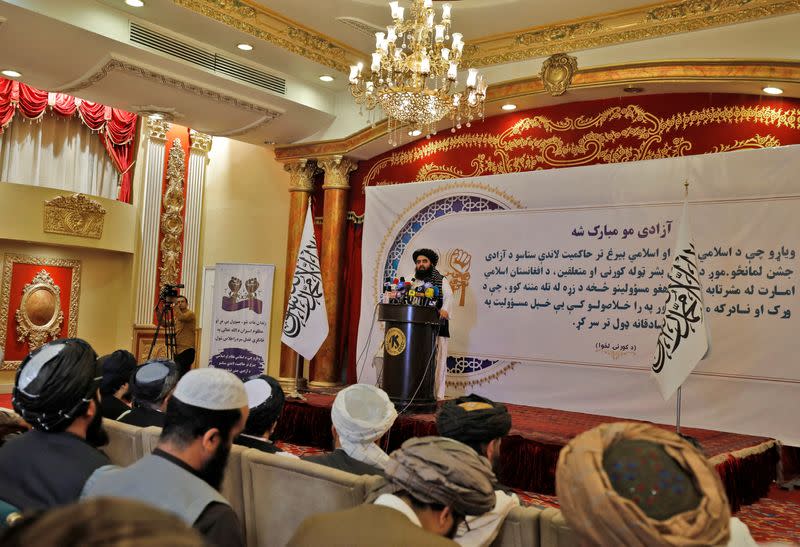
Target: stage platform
747 464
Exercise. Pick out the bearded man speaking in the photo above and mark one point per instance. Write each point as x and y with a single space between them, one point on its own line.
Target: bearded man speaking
425 261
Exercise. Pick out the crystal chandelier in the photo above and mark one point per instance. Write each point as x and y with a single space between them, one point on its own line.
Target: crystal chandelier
413 76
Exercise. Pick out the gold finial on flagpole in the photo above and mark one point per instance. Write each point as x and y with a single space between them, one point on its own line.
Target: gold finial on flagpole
686 188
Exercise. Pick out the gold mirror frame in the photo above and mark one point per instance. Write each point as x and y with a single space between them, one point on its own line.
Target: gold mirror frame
5 298
28 330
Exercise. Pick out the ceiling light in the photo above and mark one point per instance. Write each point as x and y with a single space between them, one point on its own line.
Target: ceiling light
509 107
632 89
245 47
771 90
135 3
11 73
326 78
415 133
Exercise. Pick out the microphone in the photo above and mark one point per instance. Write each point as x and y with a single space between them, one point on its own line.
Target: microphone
428 296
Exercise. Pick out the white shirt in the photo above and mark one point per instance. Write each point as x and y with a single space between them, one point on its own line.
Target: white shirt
392 501
483 529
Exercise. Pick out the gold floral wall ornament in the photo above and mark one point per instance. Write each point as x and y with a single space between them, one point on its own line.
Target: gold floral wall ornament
39 316
74 215
459 261
171 218
557 71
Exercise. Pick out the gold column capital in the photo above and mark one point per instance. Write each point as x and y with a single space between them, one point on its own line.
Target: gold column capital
337 172
156 128
301 175
199 143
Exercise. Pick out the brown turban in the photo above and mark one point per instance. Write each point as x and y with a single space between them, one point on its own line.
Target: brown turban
443 471
614 491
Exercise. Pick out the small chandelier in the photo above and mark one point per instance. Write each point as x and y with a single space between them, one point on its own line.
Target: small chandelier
414 74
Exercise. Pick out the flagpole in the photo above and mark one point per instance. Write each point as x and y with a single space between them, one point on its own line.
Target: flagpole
678 402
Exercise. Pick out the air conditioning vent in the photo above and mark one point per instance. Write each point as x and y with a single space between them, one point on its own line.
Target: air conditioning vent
151 39
361 26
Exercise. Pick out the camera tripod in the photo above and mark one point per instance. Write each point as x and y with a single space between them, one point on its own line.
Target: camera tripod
166 320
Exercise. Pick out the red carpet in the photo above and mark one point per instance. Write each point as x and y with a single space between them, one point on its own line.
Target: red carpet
746 464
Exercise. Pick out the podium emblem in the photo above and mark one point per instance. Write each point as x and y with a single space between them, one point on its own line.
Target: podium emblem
394 341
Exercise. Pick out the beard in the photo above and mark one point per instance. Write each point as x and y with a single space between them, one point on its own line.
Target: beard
214 470
423 273
96 434
451 533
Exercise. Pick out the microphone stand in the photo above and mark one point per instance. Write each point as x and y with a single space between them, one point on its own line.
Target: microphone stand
298 373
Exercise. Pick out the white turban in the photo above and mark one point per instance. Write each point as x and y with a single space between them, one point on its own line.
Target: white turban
361 415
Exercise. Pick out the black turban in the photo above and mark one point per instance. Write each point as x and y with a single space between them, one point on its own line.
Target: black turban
473 419
265 398
117 369
55 383
429 253
152 382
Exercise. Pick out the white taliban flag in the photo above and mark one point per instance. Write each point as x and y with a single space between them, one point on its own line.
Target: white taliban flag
305 325
684 338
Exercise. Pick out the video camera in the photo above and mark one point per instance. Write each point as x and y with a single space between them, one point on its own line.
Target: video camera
170 291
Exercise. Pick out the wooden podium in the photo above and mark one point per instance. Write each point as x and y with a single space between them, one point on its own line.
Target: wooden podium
409 355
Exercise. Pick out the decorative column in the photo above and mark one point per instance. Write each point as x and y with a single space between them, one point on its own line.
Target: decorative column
199 147
301 184
155 131
326 371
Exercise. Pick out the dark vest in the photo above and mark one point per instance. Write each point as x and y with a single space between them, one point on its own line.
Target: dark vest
259 444
338 459
142 417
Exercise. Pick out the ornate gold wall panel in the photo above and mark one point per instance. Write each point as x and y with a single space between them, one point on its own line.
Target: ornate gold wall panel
651 21
74 215
172 217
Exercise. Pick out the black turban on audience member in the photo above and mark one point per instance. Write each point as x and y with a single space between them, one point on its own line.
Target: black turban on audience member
153 381
429 253
473 419
117 368
55 383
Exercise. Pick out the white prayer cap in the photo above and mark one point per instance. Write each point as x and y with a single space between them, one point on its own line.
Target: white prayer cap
361 415
212 389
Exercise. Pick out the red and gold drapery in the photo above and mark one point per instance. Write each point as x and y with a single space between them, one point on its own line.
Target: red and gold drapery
565 135
116 128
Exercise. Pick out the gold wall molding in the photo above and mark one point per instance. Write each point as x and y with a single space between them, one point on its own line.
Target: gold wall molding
199 142
301 175
74 215
337 172
557 72
256 20
5 294
39 316
651 21
171 218
667 71
156 128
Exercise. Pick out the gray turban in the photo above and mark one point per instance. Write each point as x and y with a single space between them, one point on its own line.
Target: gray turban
443 471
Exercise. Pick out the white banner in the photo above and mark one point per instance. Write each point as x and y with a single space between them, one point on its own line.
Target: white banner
305 325
241 317
562 300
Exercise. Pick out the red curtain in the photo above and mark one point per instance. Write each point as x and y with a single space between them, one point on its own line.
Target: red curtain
565 135
116 128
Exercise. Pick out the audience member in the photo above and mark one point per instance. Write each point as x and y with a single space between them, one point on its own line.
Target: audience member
55 391
361 414
481 424
99 523
116 369
151 386
265 398
433 483
637 484
11 424
183 475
